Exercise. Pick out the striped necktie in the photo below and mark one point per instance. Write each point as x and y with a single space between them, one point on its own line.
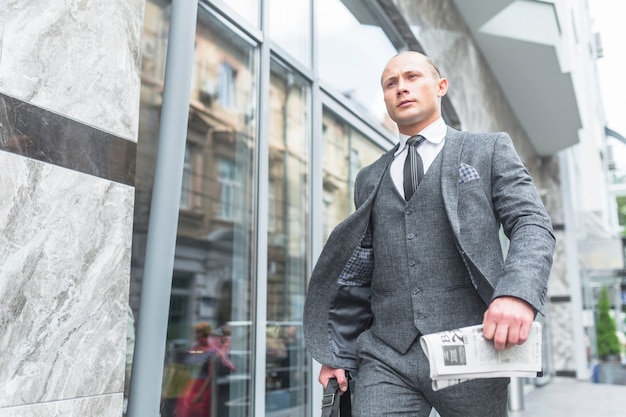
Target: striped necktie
413 166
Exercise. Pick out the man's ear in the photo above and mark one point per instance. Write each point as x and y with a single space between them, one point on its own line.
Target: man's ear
443 87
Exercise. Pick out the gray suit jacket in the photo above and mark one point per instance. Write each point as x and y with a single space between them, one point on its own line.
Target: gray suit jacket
485 186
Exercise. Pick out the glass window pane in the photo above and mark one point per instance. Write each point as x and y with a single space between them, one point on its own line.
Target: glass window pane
353 51
248 9
287 365
209 363
345 152
290 27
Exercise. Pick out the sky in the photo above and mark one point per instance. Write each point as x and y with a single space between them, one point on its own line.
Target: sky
608 19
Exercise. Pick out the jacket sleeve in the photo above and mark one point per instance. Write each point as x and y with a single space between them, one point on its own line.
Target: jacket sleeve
526 224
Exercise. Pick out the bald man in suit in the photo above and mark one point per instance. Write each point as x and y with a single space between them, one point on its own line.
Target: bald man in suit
422 253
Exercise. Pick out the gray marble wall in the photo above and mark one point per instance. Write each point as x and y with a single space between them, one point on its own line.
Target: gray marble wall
77 58
69 106
481 105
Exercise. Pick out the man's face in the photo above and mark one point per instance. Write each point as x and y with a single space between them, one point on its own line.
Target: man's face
412 90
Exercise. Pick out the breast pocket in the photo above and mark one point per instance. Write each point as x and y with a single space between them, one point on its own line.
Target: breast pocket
473 200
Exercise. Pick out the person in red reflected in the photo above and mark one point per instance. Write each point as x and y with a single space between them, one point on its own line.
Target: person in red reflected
195 400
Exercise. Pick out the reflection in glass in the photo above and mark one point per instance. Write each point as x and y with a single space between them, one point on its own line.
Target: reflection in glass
290 27
286 364
353 50
345 152
208 363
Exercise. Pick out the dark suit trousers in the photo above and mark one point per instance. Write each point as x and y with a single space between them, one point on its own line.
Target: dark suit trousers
391 384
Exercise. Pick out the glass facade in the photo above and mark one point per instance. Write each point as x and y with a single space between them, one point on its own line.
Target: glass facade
245 230
290 27
287 237
353 50
248 9
346 151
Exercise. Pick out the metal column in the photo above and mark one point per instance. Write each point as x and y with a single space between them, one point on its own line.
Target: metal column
147 373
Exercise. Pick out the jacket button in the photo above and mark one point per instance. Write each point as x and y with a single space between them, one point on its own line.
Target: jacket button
410 236
416 290
412 262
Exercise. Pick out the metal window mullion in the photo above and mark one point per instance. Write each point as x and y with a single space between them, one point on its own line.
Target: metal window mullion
262 219
316 191
147 372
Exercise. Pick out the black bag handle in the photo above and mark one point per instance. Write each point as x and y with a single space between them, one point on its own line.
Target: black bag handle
333 403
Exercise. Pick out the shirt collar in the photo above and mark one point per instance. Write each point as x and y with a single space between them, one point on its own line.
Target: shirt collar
434 133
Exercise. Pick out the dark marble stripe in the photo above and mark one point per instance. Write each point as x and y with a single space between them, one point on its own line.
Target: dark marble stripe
40 134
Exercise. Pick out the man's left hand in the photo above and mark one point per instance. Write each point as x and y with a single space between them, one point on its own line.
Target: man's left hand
507 322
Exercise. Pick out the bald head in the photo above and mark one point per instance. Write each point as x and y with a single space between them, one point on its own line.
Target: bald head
417 55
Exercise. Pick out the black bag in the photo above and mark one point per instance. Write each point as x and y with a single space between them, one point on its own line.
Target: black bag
333 403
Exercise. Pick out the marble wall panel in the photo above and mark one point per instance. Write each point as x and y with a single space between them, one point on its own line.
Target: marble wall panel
552 194
77 58
562 340
2 13
559 285
101 406
65 245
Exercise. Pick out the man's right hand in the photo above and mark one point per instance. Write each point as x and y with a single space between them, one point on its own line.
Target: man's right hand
328 373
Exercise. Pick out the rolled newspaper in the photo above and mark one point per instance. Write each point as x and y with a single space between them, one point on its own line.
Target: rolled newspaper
463 354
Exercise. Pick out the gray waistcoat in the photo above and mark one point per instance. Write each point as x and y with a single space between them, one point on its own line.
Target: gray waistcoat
420 283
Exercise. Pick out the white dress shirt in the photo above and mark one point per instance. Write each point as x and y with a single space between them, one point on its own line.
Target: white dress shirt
435 134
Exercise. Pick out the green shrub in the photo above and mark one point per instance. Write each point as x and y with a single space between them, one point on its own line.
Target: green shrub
606 337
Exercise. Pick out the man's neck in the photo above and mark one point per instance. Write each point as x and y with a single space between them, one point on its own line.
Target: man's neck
416 129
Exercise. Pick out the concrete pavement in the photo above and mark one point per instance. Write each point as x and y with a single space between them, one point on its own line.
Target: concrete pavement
573 398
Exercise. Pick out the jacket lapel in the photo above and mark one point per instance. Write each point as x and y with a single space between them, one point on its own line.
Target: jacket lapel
451 154
368 187
378 169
